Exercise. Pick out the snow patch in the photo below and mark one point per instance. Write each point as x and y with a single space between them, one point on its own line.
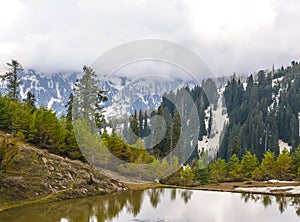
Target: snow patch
283 145
57 90
51 101
277 81
289 189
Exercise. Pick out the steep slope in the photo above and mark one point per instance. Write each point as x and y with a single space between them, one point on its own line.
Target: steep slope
29 174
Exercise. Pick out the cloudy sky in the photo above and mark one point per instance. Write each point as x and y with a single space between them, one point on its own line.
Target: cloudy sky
239 36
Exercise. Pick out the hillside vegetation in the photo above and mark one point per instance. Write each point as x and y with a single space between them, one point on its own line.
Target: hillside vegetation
30 174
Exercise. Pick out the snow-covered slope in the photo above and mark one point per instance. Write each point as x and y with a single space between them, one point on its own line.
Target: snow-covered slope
211 144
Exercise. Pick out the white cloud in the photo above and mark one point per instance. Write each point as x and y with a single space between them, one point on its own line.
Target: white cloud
232 35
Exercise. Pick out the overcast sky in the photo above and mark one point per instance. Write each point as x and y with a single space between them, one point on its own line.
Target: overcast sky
239 36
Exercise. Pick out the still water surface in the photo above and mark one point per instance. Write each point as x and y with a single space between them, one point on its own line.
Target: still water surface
162 205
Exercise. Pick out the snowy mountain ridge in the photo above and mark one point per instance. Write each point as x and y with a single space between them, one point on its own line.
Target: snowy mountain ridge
124 94
50 91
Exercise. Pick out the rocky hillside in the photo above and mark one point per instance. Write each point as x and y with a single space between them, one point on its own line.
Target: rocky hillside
29 174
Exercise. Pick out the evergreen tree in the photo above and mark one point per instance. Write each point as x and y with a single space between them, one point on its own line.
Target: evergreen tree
5 113
69 107
30 99
99 110
88 99
249 163
187 176
157 129
146 129
141 124
262 83
234 168
236 147
210 122
218 170
296 157
175 135
13 79
45 129
134 126
284 166
268 165
86 90
202 128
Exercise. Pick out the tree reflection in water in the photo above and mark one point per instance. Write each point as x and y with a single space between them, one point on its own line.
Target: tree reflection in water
154 195
186 195
135 204
94 209
282 201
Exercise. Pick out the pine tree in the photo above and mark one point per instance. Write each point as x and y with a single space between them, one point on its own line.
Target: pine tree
219 170
236 147
268 165
202 128
86 90
69 107
45 129
284 166
210 122
141 124
249 163
175 135
134 126
5 114
234 168
99 110
157 129
30 99
88 99
294 131
13 79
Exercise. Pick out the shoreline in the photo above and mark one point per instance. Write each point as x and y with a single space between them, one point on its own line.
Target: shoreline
274 189
232 187
262 188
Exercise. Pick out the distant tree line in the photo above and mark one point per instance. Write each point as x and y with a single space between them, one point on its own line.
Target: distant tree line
285 166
